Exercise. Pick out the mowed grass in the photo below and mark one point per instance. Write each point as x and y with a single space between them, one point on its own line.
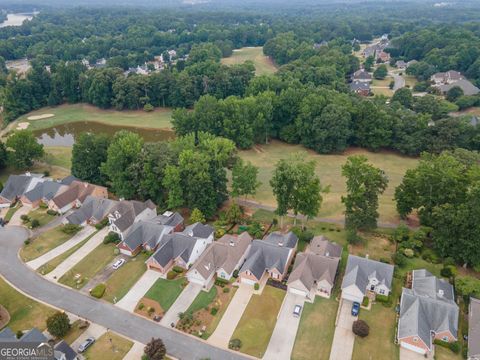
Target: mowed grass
109 346
328 168
60 156
157 119
98 259
258 321
44 243
165 292
25 313
74 332
263 64
203 300
379 344
316 330
40 215
125 277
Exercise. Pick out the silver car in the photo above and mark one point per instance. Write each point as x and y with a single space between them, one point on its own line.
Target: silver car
86 344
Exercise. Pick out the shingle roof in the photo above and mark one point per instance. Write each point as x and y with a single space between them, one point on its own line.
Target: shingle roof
173 246
33 335
45 190
467 87
93 207
169 218
310 269
128 211
65 349
359 270
15 186
425 284
69 179
361 75
199 230
77 190
321 245
474 328
7 335
288 240
145 232
359 85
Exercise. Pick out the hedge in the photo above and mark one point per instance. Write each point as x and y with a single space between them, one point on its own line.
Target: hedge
171 275
221 282
453 346
177 269
384 300
98 291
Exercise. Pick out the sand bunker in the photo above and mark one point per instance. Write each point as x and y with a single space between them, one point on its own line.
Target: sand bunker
39 117
22 125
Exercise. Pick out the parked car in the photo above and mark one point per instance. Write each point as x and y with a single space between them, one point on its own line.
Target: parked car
297 310
118 263
86 344
355 308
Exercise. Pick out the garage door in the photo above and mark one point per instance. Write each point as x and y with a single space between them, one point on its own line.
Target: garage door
351 297
247 281
412 347
297 292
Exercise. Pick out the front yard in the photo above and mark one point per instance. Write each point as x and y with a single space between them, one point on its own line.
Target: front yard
77 329
316 330
165 292
109 346
44 243
40 214
258 321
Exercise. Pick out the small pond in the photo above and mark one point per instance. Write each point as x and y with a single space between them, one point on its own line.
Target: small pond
66 134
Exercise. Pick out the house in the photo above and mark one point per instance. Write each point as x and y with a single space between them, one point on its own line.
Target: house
321 245
43 192
360 88
467 87
93 211
474 330
169 218
269 258
383 56
63 351
126 212
362 76
16 186
428 312
33 335
400 64
7 335
75 195
448 77
143 235
221 258
363 275
179 249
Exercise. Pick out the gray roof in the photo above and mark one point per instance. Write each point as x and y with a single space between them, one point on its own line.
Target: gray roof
15 186
44 190
66 350
7 335
69 179
359 85
33 335
361 75
199 230
173 246
321 245
288 240
93 207
474 328
425 284
467 87
265 255
145 232
359 270
128 211
310 269
169 218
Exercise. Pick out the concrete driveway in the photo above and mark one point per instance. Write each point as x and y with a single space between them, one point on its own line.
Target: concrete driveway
399 81
406 354
344 338
283 338
103 275
136 352
77 256
93 330
131 299
15 220
75 240
232 316
182 303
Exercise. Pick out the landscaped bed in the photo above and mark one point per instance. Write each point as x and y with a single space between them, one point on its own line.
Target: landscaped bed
258 321
160 297
44 243
109 346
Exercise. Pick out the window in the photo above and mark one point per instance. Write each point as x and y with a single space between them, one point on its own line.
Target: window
445 338
415 339
382 292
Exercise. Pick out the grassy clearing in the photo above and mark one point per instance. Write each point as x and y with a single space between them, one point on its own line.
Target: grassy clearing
316 330
44 243
158 119
98 259
55 172
329 170
125 277
165 292
25 313
40 215
385 82
109 346
203 300
263 64
74 332
258 321
60 156
410 80
382 91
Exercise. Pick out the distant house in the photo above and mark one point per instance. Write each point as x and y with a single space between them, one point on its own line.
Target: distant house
269 258
179 249
43 192
474 330
427 312
319 45
16 186
448 77
361 88
92 211
400 64
126 212
383 56
220 259
363 275
467 87
75 195
362 76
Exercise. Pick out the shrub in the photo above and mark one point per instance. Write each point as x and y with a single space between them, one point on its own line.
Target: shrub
98 291
52 212
141 306
34 223
214 311
226 290
24 218
400 259
384 260
365 301
448 271
221 282
235 344
148 108
453 346
360 328
384 300
409 253
101 224
111 237
19 334
235 274
27 242
256 286
43 205
171 275
58 324
430 256
177 269
353 238
71 229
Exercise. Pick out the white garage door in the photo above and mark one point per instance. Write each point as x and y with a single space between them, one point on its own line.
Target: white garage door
412 347
247 281
297 292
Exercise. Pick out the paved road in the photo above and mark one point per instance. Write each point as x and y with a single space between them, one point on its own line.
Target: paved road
182 303
131 299
344 339
179 345
399 81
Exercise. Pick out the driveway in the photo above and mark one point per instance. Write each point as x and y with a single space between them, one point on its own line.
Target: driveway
179 345
399 81
93 330
182 303
136 352
406 354
283 338
104 275
344 338
59 250
15 220
222 335
131 299
77 256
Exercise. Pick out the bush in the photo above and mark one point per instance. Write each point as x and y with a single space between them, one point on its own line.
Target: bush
101 224
171 275
19 334
453 346
385 260
365 301
226 290
58 324
177 269
34 223
353 238
400 259
111 237
360 328
235 344
27 242
52 212
141 306
430 256
148 108
384 300
98 291
71 229
409 253
43 205
24 218
235 274
256 286
214 311
221 282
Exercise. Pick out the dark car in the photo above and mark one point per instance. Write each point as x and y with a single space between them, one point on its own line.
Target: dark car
86 344
355 308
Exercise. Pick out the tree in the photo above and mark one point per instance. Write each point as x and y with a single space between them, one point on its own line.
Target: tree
244 179
3 155
197 216
454 93
380 72
364 184
155 350
58 324
369 61
403 96
23 149
360 328
88 154
234 214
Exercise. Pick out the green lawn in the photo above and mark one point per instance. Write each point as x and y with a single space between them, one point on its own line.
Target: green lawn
442 353
12 211
258 321
98 259
165 292
109 346
74 332
25 313
379 343
329 170
44 243
222 307
203 300
263 64
125 277
60 156
158 119
316 330
40 215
